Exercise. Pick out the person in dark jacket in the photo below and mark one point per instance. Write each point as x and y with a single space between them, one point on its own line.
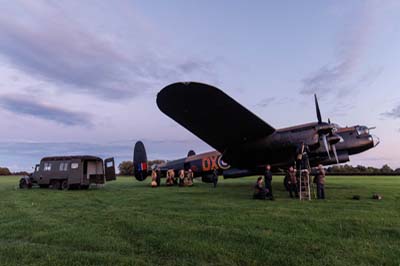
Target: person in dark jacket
158 179
320 181
268 181
292 182
215 178
259 190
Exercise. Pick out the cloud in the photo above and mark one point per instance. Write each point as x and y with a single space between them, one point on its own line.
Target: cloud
24 106
337 77
49 44
394 113
266 102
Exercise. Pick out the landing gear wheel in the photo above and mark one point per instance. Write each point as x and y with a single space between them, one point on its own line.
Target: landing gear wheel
64 185
55 184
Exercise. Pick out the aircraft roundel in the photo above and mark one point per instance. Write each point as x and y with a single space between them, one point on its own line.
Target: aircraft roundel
221 164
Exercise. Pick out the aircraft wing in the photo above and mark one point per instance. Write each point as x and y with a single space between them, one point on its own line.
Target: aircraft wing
211 115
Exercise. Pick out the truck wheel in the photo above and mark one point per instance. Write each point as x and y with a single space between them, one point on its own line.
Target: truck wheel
55 184
23 184
64 185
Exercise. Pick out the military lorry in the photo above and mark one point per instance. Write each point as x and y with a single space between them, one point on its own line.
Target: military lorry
66 172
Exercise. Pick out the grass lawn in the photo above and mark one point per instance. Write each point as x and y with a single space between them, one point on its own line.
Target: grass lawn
129 223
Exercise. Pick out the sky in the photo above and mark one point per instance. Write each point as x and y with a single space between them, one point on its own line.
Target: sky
81 77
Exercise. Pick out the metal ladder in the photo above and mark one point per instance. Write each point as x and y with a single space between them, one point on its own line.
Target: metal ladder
304 185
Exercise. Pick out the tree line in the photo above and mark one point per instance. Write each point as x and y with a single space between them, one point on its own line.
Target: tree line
6 171
362 170
126 168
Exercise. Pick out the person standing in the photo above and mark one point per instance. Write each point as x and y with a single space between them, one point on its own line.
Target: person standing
292 182
181 178
153 179
158 179
320 180
170 180
268 181
215 178
189 181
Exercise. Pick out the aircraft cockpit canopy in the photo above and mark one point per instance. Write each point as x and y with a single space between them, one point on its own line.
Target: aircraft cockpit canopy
362 130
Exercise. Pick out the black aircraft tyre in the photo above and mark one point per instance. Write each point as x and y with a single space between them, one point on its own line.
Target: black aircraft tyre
64 185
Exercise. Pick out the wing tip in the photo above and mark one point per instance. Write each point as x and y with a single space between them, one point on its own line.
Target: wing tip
178 87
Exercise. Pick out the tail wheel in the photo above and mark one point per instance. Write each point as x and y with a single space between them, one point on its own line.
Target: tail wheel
64 185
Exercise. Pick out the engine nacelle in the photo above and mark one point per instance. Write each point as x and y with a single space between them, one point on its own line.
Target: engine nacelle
324 159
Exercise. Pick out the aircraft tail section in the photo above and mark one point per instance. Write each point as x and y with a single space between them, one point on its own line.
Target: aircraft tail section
140 167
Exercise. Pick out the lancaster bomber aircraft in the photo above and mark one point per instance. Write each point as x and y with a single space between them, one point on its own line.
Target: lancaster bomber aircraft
243 142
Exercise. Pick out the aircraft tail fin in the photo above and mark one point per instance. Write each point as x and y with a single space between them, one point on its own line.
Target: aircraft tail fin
140 167
191 153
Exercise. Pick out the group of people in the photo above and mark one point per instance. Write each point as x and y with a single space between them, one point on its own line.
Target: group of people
292 180
263 186
184 178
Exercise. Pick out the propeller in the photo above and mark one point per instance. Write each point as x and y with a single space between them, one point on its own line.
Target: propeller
326 145
335 153
317 108
327 132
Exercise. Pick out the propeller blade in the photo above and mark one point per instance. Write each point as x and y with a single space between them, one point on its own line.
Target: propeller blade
317 108
326 146
335 153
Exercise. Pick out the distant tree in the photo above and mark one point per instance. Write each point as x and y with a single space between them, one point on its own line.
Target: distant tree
125 168
22 173
154 162
372 170
386 169
4 171
361 169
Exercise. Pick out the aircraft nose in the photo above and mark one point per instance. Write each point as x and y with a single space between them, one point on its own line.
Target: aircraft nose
375 140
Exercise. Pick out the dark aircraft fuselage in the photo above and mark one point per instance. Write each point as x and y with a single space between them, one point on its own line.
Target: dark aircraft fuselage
244 143
278 150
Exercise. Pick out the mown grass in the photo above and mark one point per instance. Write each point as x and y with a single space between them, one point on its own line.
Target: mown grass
129 223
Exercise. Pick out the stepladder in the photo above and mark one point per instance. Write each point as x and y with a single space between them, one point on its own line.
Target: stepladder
304 185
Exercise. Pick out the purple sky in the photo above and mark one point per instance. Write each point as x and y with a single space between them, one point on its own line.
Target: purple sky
81 77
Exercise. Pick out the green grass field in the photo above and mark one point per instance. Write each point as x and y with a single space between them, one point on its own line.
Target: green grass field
129 223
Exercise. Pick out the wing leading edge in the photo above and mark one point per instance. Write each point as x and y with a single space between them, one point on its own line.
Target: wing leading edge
211 115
